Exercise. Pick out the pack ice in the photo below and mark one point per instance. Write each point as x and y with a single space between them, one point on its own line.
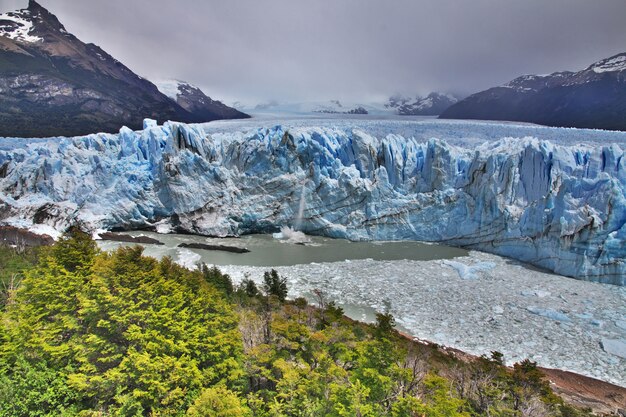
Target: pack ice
560 205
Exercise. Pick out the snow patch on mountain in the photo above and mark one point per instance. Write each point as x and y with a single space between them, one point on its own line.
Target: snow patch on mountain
431 105
616 63
17 26
170 88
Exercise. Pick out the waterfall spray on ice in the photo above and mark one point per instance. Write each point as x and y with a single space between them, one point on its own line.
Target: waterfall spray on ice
298 223
295 234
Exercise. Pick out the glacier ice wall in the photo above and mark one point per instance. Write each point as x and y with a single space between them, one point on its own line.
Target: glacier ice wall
555 206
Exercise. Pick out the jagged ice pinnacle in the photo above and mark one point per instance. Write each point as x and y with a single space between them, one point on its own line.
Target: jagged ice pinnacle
556 206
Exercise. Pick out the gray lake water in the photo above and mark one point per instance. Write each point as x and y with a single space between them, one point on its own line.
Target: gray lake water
267 251
506 307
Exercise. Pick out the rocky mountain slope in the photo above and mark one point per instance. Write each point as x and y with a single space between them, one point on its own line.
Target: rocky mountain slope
51 83
592 98
432 105
193 99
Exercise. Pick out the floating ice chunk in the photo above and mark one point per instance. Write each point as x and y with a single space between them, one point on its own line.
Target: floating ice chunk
498 310
549 313
621 324
615 347
536 293
467 271
188 259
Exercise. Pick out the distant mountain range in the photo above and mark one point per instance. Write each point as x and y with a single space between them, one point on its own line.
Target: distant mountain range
312 107
431 105
592 98
53 84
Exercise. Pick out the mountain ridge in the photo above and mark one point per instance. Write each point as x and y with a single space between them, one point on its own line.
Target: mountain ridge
53 84
594 97
431 105
193 99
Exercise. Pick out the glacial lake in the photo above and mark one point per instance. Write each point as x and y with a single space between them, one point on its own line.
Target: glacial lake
269 251
507 306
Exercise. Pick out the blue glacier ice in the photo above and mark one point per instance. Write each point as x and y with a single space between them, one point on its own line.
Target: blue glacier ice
558 204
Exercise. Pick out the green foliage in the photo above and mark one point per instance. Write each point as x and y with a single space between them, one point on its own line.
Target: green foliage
120 334
216 278
527 378
274 285
13 263
126 333
75 251
218 402
35 390
384 324
249 288
333 313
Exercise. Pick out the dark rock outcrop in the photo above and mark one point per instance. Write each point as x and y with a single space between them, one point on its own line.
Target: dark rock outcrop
140 240
223 248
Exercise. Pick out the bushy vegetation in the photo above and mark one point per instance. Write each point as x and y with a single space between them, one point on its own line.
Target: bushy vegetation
13 262
89 333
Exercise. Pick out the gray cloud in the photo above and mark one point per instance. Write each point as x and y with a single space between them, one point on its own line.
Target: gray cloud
254 50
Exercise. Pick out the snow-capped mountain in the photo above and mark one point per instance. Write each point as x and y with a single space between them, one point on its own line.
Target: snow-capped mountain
594 98
51 83
432 105
559 206
193 99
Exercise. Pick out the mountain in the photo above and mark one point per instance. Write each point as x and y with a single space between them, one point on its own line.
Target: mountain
51 83
192 99
592 98
432 105
558 204
316 108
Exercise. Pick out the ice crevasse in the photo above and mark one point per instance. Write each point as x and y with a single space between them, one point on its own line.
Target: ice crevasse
560 207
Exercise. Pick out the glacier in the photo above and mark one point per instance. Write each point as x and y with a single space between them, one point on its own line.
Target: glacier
558 204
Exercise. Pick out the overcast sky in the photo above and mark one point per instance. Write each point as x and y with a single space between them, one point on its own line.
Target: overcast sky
356 50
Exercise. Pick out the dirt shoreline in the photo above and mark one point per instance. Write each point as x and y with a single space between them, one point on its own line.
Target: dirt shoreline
601 397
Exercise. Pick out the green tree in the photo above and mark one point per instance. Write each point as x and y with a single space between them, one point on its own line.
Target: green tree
275 285
218 402
218 279
75 251
123 331
249 287
384 324
36 389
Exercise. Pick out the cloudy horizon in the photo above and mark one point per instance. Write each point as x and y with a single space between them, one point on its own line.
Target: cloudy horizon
354 50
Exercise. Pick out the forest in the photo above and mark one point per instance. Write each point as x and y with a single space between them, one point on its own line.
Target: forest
85 332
